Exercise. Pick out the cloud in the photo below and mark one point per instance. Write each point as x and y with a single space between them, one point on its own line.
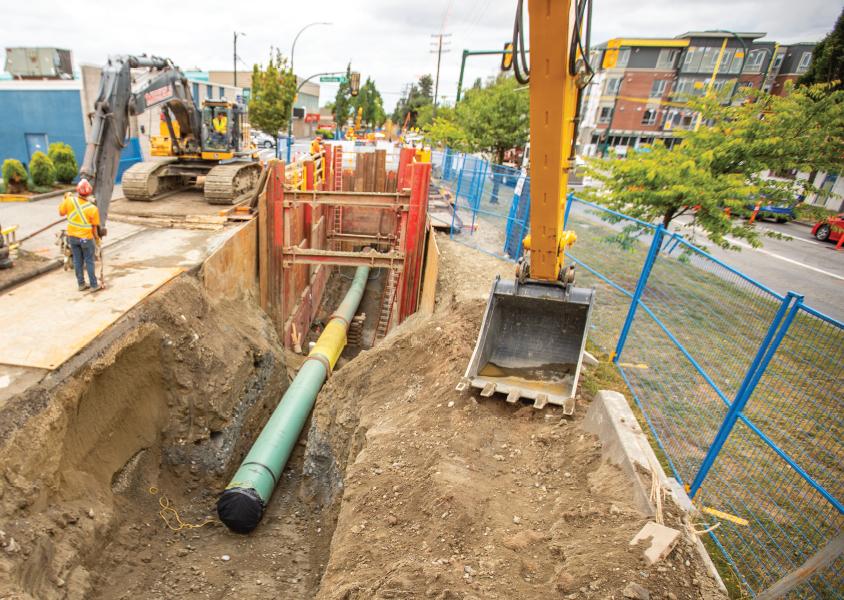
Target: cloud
387 40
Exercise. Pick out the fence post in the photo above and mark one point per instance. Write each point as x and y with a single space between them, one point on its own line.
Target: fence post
457 196
656 243
569 201
776 332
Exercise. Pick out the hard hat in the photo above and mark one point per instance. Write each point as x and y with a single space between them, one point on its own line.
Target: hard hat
83 188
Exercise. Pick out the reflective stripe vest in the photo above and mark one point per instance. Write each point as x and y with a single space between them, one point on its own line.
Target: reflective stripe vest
220 123
77 215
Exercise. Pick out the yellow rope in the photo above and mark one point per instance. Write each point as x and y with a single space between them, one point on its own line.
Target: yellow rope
171 517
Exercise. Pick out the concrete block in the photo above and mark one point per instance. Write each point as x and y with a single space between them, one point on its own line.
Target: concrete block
624 444
663 539
589 360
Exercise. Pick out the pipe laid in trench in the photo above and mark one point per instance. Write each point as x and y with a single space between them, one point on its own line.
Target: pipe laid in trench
242 504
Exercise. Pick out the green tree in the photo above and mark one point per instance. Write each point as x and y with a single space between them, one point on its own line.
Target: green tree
41 170
342 107
491 119
14 176
828 59
722 165
64 160
273 93
419 95
369 98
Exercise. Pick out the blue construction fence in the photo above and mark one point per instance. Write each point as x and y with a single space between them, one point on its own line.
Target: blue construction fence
742 387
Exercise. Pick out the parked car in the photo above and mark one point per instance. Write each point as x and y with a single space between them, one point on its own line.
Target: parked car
262 140
781 214
830 229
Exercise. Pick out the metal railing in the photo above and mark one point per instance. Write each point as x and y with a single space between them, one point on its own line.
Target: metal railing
741 386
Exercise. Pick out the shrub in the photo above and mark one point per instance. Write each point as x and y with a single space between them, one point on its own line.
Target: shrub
14 176
64 160
41 170
326 134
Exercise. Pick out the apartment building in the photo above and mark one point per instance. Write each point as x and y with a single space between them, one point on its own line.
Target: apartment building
641 85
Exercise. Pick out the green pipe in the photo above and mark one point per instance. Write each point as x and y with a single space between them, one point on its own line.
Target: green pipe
242 504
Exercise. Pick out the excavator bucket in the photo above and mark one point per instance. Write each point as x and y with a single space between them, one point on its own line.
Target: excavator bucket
531 342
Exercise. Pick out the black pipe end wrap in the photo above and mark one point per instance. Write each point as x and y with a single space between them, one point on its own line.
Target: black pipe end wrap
240 509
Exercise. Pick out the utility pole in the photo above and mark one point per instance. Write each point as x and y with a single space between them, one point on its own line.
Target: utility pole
234 56
439 52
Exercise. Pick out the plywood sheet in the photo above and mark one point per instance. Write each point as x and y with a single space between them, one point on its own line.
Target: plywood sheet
46 321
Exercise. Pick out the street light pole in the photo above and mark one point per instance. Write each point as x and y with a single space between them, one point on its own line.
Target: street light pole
292 52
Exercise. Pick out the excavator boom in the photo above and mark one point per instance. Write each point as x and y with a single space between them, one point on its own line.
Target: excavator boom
116 101
534 330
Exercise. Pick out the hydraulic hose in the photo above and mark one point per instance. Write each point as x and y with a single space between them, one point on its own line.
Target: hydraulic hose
242 504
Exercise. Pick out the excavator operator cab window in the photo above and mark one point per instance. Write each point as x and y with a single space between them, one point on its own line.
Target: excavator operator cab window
217 126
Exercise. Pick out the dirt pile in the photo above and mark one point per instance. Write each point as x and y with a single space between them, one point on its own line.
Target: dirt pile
441 494
176 382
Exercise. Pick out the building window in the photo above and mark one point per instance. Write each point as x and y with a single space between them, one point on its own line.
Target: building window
726 60
612 87
684 86
658 88
196 94
623 58
221 92
754 61
778 60
666 59
709 60
719 85
805 61
209 92
649 117
605 114
691 63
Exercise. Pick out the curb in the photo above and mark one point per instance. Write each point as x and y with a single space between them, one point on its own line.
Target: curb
625 445
52 194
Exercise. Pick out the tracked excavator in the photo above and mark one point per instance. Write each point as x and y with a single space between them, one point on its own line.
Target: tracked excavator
533 333
210 142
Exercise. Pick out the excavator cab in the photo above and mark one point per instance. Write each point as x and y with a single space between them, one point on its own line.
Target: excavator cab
219 121
534 330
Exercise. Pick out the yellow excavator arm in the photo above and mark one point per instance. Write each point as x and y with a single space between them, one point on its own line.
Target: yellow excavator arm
533 334
553 106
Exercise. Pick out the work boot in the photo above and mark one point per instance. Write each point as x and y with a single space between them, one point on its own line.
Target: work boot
97 289
83 287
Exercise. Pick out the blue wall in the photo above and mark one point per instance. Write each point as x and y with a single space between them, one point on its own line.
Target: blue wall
56 113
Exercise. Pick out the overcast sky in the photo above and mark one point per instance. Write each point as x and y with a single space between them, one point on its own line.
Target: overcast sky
388 40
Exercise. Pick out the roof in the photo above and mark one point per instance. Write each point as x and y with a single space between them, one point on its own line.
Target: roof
642 42
720 33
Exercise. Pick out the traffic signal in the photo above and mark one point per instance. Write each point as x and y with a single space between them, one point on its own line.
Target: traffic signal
507 57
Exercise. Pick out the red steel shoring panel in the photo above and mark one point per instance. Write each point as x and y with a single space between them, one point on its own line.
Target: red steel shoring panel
328 166
403 174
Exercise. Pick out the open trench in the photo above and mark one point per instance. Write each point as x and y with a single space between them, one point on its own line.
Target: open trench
399 487
158 413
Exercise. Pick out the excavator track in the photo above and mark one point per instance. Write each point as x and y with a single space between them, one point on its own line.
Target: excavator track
144 182
225 183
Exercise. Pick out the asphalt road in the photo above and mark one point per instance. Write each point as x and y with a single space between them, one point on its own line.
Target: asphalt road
798 263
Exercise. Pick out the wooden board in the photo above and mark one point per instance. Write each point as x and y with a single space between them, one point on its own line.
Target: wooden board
429 277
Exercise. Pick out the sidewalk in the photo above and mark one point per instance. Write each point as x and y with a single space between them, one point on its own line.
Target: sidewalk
46 321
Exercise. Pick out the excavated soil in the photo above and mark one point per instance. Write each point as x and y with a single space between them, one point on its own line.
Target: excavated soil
401 487
443 494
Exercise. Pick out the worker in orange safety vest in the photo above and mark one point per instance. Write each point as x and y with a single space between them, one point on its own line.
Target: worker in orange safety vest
83 220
